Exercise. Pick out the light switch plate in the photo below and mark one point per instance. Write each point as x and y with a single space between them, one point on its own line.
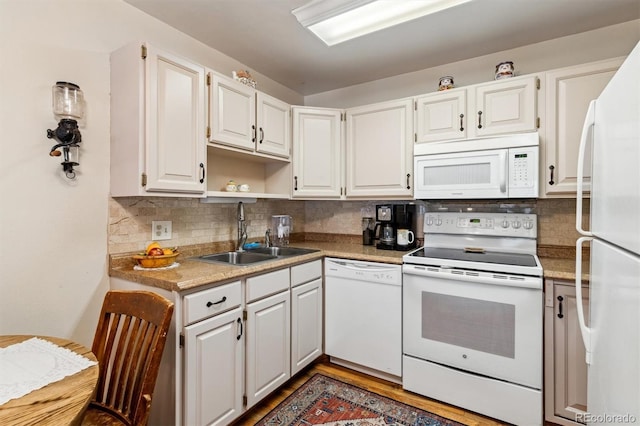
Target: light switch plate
160 230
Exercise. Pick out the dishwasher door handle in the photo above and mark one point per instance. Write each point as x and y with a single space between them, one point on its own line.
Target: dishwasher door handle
361 267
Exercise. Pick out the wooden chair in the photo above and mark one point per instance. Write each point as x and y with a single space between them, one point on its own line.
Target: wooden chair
128 344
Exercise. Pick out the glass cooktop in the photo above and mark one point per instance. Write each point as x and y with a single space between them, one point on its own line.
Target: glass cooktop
515 259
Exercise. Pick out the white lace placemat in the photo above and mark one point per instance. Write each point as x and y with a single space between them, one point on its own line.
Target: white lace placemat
33 364
141 268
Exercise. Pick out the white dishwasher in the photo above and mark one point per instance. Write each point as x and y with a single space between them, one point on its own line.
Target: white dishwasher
363 316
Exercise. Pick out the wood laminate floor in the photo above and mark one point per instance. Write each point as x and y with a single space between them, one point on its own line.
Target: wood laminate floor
373 384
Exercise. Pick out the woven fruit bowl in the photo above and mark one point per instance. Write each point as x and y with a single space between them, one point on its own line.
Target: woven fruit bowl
156 261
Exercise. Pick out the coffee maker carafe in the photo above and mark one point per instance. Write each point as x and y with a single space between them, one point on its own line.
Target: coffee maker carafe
385 231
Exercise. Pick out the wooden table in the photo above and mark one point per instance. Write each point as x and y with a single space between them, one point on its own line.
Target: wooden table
60 403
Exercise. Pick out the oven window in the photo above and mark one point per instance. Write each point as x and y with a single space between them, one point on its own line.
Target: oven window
470 323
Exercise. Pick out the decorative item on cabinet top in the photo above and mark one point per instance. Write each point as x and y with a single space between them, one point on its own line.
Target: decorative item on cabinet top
504 70
244 77
445 83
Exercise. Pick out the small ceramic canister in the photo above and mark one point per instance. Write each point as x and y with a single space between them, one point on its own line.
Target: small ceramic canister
504 70
446 82
243 187
231 186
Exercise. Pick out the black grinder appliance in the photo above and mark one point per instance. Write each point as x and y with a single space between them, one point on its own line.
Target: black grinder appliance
389 219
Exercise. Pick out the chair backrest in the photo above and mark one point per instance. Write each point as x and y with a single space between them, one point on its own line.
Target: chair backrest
128 344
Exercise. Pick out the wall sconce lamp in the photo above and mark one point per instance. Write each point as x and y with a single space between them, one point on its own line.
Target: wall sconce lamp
68 107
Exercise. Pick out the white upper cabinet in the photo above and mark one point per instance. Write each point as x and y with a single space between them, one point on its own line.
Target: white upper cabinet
232 113
487 109
241 117
317 153
273 119
506 106
441 116
158 140
379 154
569 91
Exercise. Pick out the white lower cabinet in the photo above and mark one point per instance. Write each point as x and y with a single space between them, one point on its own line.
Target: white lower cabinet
268 340
565 367
230 345
306 314
214 369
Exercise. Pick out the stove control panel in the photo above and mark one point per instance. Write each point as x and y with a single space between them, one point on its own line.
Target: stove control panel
491 224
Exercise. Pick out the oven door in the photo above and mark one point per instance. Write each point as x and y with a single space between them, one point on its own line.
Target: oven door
462 175
483 323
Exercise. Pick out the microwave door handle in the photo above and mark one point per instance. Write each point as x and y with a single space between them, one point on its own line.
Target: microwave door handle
589 121
503 171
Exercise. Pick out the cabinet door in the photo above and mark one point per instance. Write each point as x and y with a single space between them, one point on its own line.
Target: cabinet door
569 91
213 370
380 150
508 106
306 324
570 368
441 116
175 122
274 126
317 147
268 345
233 113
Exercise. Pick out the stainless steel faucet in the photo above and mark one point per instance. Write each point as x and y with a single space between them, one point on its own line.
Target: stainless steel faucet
242 228
267 238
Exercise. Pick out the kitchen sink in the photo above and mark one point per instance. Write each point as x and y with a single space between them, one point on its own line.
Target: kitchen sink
237 258
282 251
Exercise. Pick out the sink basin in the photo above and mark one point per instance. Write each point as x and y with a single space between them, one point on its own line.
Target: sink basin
282 251
237 258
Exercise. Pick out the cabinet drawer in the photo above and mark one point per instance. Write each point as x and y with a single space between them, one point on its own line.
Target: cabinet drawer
266 284
210 302
306 272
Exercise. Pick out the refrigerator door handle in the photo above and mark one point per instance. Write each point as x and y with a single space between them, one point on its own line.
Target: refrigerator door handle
584 330
589 121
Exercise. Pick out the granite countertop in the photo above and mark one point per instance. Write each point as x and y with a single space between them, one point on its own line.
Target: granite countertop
192 274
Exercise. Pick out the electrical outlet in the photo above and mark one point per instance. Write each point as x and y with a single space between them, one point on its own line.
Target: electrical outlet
160 230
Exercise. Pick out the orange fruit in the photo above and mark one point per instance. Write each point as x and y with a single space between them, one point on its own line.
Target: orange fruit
167 251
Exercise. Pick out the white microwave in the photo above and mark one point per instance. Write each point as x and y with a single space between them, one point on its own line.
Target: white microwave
500 167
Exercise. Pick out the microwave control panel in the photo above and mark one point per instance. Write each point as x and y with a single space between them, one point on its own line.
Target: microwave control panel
523 172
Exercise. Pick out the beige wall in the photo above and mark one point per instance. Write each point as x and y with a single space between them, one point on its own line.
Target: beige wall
54 232
604 43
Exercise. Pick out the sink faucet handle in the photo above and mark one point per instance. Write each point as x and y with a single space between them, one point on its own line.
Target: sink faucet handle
267 238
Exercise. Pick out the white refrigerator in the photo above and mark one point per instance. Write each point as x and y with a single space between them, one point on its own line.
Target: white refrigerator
611 334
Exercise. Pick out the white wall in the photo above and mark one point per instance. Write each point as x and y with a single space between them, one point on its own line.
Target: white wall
53 232
603 43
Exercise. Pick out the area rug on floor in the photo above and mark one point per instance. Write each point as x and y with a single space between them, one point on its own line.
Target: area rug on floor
329 402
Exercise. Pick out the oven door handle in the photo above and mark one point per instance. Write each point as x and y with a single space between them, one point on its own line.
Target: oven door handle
475 277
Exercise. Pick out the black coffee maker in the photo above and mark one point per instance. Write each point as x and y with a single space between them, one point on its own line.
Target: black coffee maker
404 221
395 226
384 230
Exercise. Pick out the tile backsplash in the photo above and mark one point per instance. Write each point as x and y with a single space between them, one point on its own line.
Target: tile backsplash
194 222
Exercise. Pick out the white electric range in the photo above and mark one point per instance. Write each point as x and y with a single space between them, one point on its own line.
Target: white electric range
472 314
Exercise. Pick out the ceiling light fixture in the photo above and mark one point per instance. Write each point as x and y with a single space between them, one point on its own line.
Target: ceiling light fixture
336 21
